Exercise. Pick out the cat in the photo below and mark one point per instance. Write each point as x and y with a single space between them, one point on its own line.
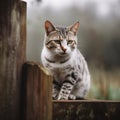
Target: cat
64 61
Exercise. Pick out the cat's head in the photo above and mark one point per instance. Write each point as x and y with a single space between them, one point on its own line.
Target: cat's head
61 40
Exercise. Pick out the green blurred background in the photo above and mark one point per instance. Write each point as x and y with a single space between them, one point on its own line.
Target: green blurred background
99 37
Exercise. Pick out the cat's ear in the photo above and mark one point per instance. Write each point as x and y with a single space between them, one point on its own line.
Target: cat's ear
49 27
74 28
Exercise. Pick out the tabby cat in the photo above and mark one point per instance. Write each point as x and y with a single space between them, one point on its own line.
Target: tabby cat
62 58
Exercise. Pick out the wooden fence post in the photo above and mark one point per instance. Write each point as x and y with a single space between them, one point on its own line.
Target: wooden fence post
37 103
12 56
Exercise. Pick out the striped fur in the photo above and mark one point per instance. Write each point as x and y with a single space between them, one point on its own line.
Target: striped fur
65 62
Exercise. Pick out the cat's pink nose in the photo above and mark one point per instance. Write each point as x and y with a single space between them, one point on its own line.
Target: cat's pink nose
64 49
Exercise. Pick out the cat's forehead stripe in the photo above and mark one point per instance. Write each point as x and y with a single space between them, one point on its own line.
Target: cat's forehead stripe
62 31
54 36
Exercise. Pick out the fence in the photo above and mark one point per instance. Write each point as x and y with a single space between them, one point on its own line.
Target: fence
37 99
39 106
12 56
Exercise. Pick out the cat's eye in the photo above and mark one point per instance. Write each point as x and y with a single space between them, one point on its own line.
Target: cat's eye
57 41
69 41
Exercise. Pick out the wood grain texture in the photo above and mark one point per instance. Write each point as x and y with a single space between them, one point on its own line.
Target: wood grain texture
12 56
38 97
86 110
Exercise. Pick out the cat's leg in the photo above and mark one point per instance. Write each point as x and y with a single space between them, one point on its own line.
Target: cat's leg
72 97
55 90
65 91
67 87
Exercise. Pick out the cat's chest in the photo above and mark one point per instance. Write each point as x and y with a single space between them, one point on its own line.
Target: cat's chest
60 73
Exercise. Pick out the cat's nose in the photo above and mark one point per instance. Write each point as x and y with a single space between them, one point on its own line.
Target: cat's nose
64 49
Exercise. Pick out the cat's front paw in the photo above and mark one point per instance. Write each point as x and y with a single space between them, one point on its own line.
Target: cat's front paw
72 97
62 97
55 96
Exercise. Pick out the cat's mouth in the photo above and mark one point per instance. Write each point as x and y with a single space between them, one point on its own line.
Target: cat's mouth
63 54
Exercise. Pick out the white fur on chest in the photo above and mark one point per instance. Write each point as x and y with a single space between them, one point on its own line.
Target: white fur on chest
58 69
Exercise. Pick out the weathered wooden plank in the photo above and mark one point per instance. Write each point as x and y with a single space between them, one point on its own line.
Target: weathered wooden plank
86 110
12 56
38 99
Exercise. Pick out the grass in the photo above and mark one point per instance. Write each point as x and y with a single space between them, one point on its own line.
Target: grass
104 84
